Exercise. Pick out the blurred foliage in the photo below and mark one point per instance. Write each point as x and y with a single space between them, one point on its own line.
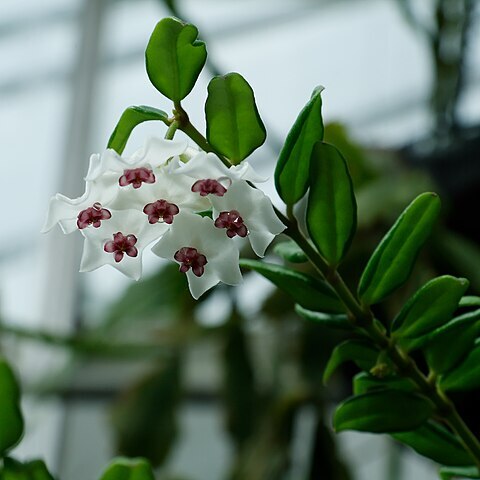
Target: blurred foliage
270 364
145 416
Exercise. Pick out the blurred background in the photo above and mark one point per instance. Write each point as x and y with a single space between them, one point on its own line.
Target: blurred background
229 387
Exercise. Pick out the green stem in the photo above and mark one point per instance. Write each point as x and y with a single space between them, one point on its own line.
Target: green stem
363 317
84 345
173 127
186 126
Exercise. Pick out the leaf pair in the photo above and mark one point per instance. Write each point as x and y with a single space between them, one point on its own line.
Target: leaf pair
395 409
174 59
305 162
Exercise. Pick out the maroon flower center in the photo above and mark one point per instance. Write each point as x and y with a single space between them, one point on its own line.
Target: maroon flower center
120 245
136 176
160 209
233 222
92 216
189 257
208 185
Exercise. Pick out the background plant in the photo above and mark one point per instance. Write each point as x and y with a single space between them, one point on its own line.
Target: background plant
332 245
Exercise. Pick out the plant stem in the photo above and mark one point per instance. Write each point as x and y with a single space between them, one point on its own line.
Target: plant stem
406 366
171 130
184 124
86 345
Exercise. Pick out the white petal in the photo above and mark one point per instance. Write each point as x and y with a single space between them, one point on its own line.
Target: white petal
128 222
199 285
109 161
157 151
246 172
190 230
203 165
64 210
257 213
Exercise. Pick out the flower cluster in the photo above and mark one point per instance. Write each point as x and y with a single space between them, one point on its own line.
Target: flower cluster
166 192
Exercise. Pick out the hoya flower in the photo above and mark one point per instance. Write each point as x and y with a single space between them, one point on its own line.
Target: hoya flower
204 253
88 211
210 176
139 169
245 211
120 243
162 199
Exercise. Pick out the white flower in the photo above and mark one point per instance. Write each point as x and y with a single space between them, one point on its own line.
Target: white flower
167 189
247 212
140 167
89 209
211 176
204 253
120 243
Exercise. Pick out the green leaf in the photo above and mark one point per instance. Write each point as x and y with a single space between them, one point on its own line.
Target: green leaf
363 353
467 375
122 468
291 252
382 411
130 118
174 58
435 442
393 260
469 301
339 322
234 126
292 174
307 291
331 209
33 470
448 473
363 382
11 419
441 352
430 307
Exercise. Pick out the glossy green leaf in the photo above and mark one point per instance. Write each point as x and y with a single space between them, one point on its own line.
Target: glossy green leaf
435 442
331 209
465 376
11 420
33 470
363 353
364 382
309 292
130 118
174 58
382 411
339 321
393 260
128 469
449 473
291 252
234 126
430 307
292 174
441 352
469 301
